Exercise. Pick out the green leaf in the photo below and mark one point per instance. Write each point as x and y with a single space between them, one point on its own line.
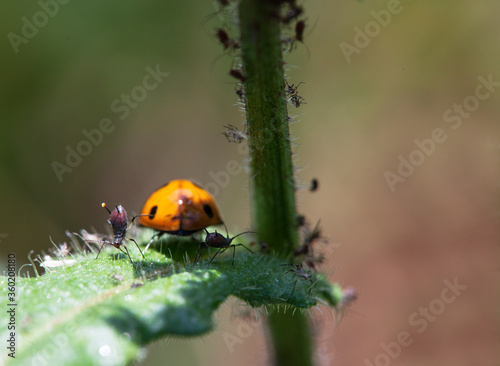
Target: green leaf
101 312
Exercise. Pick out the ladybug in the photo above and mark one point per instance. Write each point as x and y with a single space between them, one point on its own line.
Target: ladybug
217 240
180 207
118 221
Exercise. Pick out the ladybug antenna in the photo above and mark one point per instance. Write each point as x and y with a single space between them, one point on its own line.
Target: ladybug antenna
106 207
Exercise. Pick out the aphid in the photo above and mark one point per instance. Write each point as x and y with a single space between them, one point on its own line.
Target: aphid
118 221
233 134
217 240
61 250
263 247
298 270
299 30
299 36
310 237
225 40
240 93
237 74
314 185
301 220
294 97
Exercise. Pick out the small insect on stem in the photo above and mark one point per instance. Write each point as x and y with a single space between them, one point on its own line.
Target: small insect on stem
294 97
217 240
298 270
119 224
311 236
299 30
226 41
314 185
234 135
237 74
240 93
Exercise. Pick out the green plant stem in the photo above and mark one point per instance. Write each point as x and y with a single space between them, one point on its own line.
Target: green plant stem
272 182
291 339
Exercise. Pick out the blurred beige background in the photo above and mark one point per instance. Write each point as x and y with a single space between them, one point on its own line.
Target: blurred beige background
397 246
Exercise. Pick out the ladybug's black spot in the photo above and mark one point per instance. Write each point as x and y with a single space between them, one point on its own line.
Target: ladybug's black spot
152 212
208 210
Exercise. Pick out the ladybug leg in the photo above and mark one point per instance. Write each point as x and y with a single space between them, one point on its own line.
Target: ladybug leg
157 235
137 247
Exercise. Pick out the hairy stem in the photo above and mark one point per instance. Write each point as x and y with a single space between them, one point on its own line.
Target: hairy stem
272 182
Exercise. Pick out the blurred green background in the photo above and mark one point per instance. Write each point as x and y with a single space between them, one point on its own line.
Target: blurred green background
396 247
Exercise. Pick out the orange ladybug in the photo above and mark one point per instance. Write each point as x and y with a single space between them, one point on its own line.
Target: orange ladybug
180 207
